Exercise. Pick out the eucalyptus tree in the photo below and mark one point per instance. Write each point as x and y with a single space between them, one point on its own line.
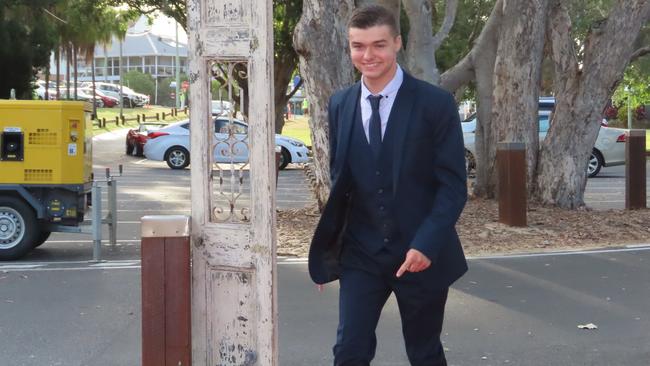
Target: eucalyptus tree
504 64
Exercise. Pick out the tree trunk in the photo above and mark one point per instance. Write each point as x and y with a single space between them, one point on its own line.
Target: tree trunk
92 63
517 73
320 40
74 62
57 56
581 95
283 70
422 44
68 57
479 65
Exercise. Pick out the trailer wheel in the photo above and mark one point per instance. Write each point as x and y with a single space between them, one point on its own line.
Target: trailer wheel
18 228
41 238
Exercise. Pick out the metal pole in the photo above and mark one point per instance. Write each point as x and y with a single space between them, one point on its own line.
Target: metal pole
121 91
97 221
178 76
112 211
629 112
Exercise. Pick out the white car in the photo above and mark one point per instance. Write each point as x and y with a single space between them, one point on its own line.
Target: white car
172 145
609 149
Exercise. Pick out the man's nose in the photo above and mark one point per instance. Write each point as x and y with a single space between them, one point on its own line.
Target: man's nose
368 54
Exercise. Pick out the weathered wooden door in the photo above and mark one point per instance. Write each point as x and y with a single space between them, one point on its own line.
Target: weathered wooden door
233 183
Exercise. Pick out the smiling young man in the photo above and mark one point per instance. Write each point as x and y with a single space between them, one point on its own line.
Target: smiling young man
398 187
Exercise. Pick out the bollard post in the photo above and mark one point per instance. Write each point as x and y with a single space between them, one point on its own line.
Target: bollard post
166 290
511 164
635 170
158 116
97 221
112 210
117 120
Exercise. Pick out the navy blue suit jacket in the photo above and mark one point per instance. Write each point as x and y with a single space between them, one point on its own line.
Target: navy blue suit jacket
429 180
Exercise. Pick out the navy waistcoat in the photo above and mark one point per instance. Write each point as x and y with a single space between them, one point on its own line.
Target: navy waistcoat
372 219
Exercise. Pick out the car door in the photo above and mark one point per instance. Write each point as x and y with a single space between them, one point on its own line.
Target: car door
231 141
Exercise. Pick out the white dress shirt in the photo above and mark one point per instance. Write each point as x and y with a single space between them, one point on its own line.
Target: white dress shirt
385 105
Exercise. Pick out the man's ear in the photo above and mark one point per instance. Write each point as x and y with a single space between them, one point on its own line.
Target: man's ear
398 42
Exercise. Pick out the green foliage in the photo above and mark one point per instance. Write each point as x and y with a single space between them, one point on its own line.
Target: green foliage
140 82
470 19
26 41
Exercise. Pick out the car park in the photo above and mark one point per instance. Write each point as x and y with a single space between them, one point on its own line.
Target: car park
172 144
609 149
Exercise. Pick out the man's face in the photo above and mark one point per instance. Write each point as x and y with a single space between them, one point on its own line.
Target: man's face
374 51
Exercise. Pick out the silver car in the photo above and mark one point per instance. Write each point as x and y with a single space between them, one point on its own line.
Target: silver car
609 149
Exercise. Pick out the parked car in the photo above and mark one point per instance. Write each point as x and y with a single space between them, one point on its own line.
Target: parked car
172 144
137 137
609 149
103 100
130 97
220 108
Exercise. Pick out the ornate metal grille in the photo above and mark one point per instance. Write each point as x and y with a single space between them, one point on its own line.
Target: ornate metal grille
230 146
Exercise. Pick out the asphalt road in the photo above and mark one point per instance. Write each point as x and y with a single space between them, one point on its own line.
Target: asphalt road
56 308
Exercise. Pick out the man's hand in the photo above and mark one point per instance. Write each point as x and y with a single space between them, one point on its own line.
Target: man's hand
415 262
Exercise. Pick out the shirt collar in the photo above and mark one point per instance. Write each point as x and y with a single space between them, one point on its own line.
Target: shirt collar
389 89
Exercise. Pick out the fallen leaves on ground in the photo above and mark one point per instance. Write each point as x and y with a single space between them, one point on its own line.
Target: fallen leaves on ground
549 229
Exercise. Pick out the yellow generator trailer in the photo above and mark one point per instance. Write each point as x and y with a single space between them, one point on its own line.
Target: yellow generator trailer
45 171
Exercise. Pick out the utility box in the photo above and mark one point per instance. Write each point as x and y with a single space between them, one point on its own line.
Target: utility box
45 170
45 142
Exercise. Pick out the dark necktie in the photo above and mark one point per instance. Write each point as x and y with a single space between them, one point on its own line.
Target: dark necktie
374 129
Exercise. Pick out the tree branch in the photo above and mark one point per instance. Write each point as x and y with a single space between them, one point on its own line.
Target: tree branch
640 53
450 16
458 76
295 89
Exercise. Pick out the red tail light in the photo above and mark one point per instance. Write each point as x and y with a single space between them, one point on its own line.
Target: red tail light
153 135
621 138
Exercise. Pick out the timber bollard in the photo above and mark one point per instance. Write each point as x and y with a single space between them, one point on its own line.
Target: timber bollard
635 170
511 165
166 291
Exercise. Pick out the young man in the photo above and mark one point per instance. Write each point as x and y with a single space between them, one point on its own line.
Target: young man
398 187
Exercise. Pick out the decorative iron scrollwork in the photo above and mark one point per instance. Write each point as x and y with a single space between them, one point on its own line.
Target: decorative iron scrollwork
230 145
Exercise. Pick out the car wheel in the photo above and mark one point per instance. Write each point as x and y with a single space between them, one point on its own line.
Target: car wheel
285 159
177 157
139 150
18 228
126 102
129 149
99 103
595 163
41 238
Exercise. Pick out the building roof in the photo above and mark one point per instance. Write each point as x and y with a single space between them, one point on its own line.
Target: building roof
144 39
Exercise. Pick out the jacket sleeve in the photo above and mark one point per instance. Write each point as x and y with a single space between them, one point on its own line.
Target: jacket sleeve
438 227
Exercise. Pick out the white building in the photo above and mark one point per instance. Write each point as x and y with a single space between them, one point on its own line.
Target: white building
149 48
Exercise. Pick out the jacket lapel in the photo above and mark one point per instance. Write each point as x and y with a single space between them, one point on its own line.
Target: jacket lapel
347 117
400 120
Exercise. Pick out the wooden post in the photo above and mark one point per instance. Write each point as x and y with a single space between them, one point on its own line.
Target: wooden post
635 170
158 116
511 164
117 120
234 306
144 117
166 287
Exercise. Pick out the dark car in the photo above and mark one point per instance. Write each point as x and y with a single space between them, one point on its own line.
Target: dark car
137 137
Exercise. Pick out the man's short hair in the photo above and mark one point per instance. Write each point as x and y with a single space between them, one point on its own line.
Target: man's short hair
373 15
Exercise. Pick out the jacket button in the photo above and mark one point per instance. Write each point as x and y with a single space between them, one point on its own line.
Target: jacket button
386 240
381 208
380 191
377 172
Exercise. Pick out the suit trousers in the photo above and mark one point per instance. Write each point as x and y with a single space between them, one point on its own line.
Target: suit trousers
361 299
